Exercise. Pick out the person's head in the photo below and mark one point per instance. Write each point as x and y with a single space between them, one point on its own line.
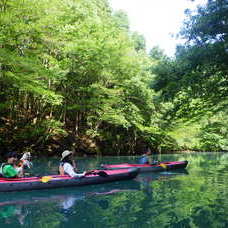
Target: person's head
66 155
11 157
148 151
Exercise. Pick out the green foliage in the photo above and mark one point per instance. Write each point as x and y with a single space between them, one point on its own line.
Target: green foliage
193 85
121 20
21 44
211 142
207 134
157 53
186 135
213 135
73 68
195 80
139 41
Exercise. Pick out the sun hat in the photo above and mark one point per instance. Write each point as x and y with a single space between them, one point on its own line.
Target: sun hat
66 153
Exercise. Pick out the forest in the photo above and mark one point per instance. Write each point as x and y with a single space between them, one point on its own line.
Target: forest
74 76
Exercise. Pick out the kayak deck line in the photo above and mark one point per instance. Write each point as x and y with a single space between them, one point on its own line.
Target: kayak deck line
60 177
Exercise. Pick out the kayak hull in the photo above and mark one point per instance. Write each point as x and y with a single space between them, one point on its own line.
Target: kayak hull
57 181
162 166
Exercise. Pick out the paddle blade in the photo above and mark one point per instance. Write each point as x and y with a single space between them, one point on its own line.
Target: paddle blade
163 166
99 173
102 174
45 179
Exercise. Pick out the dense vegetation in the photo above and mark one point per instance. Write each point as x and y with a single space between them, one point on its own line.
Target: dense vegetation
73 75
195 82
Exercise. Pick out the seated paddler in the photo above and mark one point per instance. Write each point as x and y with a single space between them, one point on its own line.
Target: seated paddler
145 158
10 168
66 166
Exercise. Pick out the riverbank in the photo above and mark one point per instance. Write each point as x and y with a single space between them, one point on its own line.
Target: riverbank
41 145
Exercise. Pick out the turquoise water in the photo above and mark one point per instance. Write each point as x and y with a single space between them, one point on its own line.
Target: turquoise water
197 197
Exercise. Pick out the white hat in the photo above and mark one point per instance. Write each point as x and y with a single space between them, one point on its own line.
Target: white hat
66 153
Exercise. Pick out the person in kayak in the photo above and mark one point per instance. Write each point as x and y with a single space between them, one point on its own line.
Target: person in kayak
9 169
25 163
145 159
66 165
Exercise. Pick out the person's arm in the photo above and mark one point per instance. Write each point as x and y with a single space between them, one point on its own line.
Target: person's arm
69 169
20 171
61 170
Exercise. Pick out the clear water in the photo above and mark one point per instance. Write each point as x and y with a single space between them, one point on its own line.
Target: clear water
195 198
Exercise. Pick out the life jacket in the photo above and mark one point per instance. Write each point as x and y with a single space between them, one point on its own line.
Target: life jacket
2 167
143 160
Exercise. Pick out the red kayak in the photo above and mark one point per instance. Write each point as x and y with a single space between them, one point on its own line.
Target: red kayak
57 181
159 167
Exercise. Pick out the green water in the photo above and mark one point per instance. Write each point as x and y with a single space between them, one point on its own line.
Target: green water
195 198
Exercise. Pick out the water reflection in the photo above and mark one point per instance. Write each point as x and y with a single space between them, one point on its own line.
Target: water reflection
196 197
8 212
16 207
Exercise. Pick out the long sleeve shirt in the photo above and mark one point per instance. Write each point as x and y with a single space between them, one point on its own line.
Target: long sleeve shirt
69 169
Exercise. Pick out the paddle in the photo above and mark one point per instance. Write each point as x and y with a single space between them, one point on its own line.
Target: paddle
99 173
45 179
163 165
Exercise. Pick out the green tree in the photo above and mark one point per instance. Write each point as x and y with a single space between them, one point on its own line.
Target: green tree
121 19
196 79
139 41
73 71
